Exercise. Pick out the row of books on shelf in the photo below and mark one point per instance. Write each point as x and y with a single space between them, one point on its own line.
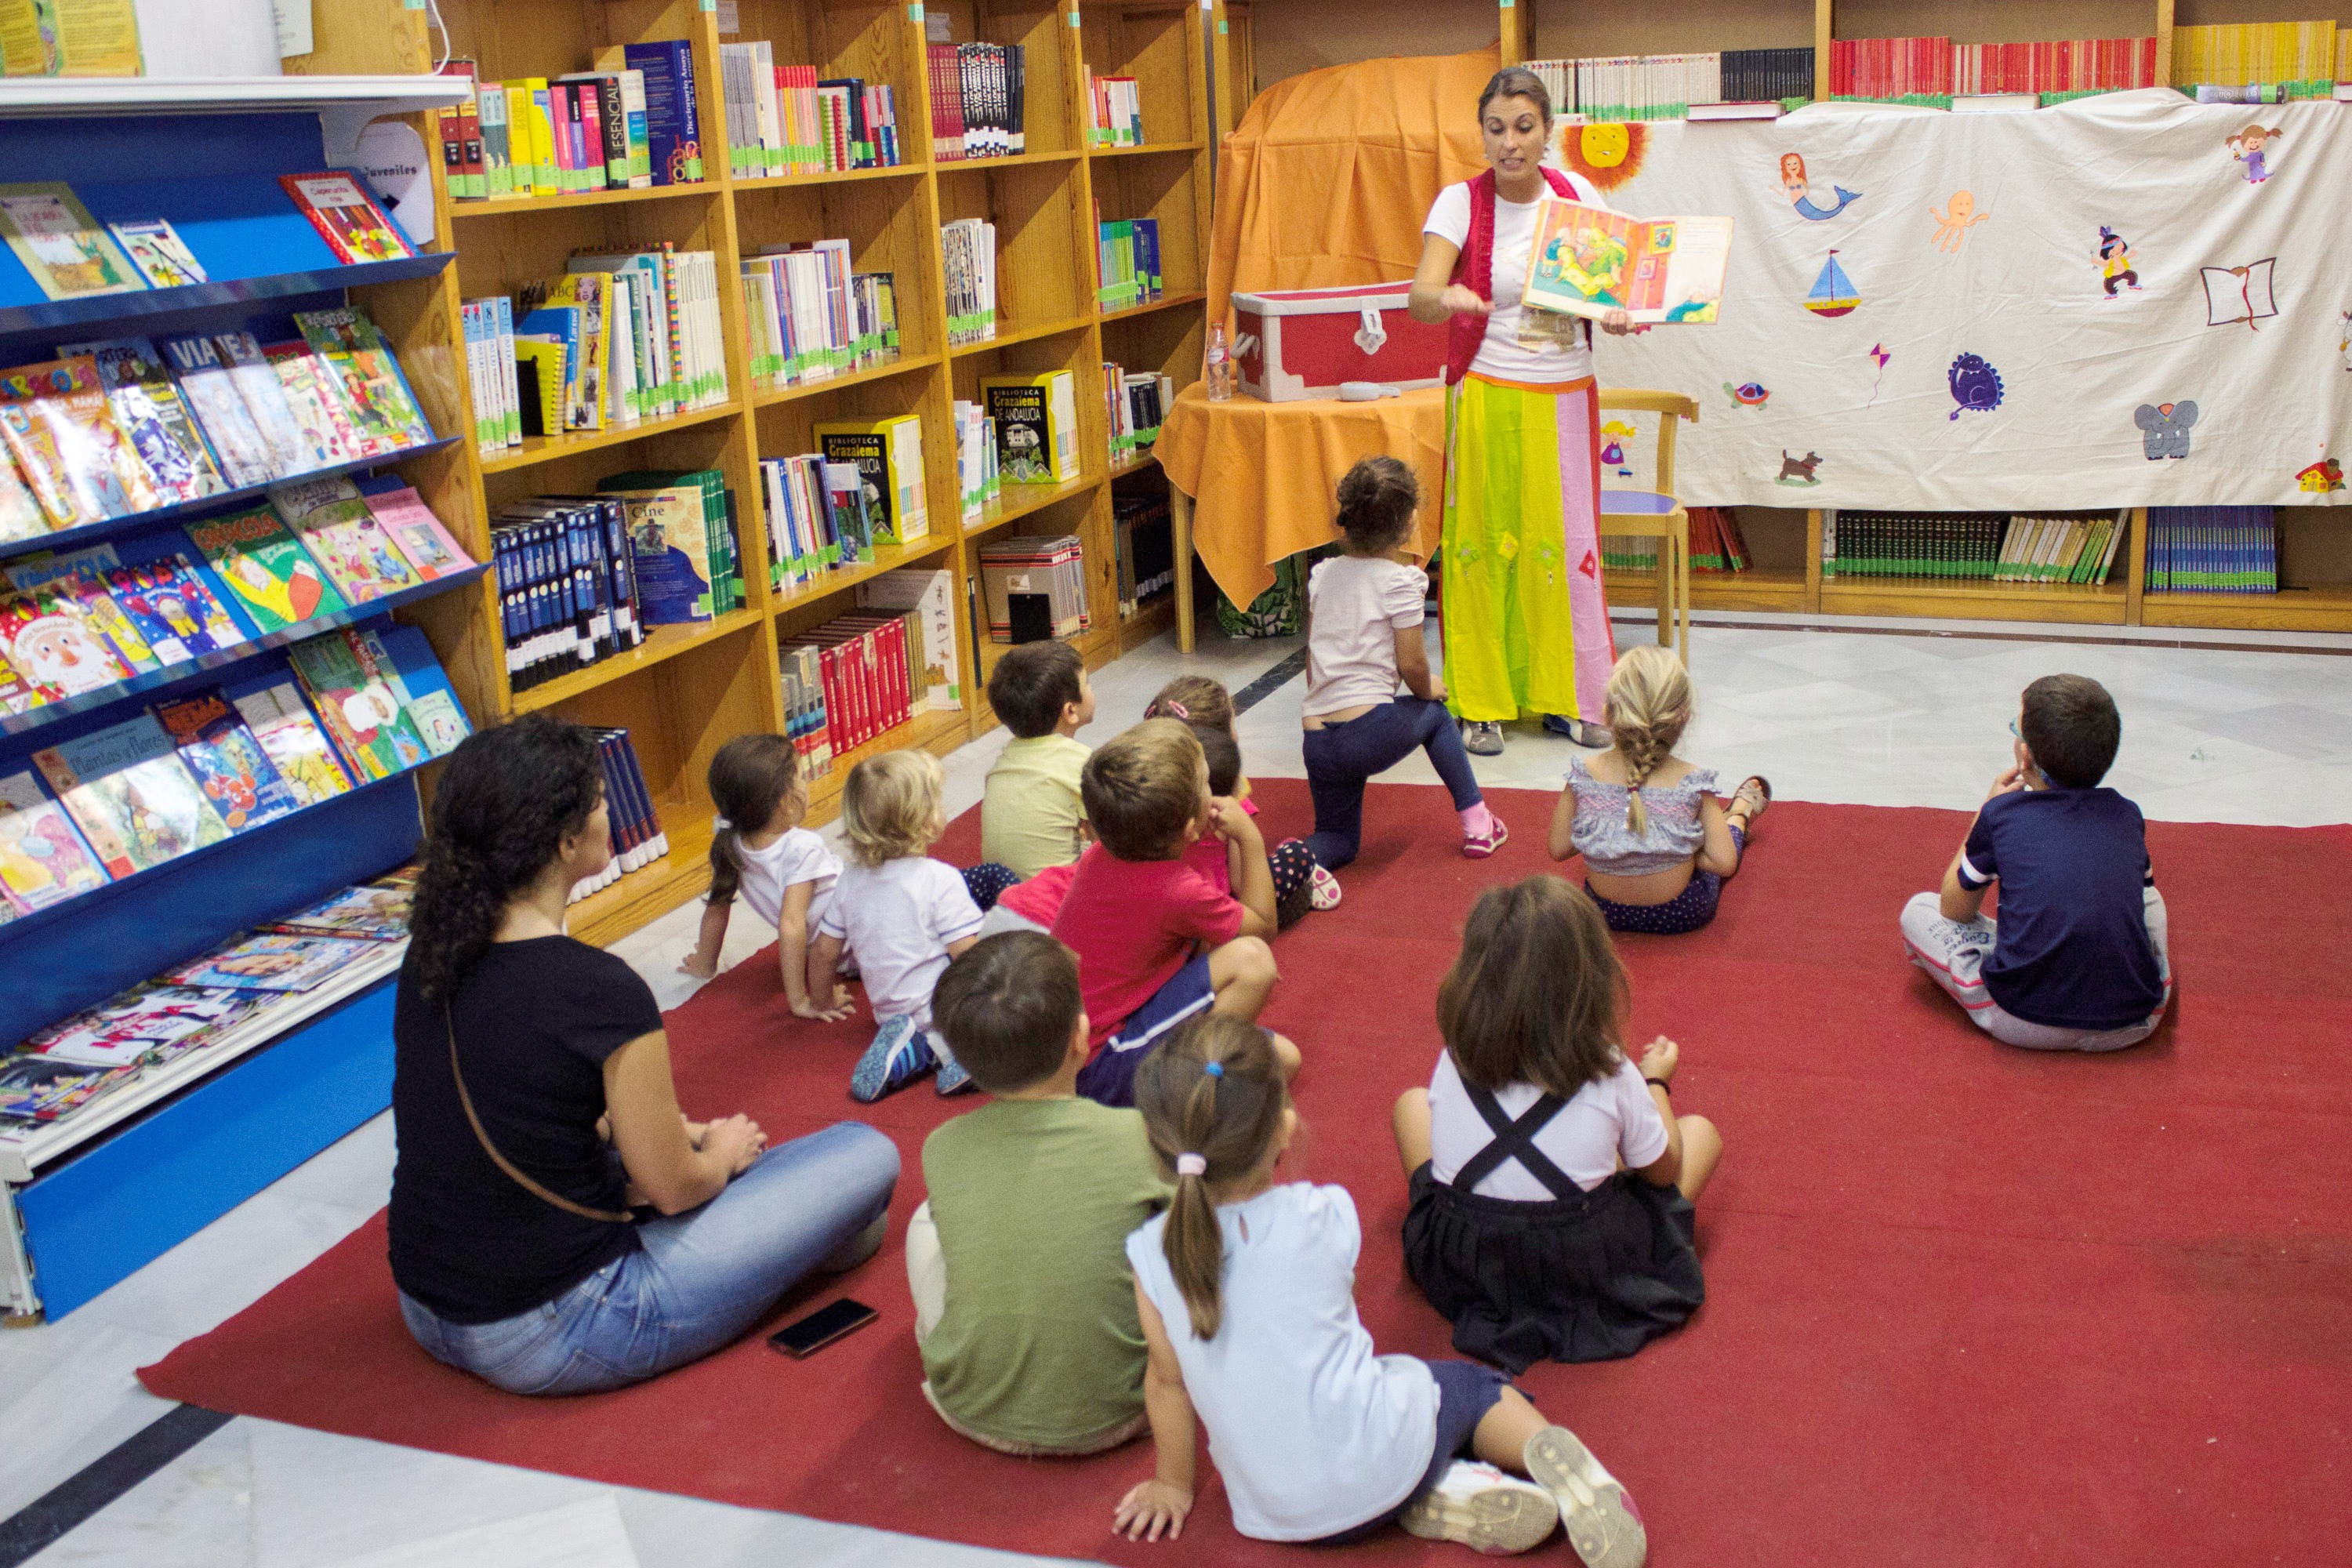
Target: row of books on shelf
227 995
1716 545
1143 541
1931 70
2211 550
968 255
111 427
859 676
1114 112
979 480
1134 400
617 337
70 256
783 120
1995 547
1127 262
638 837
76 622
978 96
629 123
93 808
812 317
1034 587
1668 87
2303 59
818 519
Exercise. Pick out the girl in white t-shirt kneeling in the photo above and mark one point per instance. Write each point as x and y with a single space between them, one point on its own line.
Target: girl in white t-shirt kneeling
1364 632
1246 1295
760 854
1551 1182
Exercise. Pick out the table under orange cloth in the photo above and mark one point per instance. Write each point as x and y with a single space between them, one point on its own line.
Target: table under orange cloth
1261 476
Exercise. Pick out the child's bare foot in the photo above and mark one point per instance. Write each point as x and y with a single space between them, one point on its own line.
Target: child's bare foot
1750 800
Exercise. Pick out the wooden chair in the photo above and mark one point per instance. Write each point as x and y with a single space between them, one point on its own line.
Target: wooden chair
1657 514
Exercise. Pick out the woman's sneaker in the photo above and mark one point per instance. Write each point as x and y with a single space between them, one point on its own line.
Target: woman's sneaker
900 1054
1323 890
1478 846
1601 1523
1583 732
1482 737
1482 1509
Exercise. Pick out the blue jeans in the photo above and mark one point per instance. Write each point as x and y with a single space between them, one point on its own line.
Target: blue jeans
696 1282
1341 758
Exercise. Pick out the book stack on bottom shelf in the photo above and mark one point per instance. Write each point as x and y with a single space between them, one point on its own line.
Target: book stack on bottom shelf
857 679
1142 532
2078 549
2211 550
1716 545
638 837
1133 403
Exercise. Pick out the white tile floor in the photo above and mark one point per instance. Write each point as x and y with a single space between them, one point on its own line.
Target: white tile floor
2209 734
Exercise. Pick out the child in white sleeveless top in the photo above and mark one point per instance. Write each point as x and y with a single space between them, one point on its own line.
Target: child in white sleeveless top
1245 1290
760 853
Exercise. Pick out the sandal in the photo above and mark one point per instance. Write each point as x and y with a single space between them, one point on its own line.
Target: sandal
1755 792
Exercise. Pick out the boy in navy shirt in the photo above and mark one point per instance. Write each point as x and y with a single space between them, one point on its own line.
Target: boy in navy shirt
2077 962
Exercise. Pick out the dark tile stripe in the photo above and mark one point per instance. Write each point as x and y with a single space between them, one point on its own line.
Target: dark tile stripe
44 1521
1271 681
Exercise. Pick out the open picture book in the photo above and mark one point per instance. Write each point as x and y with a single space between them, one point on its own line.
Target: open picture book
1587 262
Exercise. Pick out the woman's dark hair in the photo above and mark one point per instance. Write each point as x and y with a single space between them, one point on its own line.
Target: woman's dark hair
1224 758
507 800
749 778
2070 724
1516 81
1377 499
1536 994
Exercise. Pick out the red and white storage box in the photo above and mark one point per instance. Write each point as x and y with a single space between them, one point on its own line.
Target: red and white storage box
1291 343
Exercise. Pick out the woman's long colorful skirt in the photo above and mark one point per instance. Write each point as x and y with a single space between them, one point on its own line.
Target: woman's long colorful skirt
1525 628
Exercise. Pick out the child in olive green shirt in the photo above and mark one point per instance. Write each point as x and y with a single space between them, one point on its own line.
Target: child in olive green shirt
1031 814
1024 1307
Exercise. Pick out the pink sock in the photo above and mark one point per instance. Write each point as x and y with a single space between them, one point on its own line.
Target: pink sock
1477 821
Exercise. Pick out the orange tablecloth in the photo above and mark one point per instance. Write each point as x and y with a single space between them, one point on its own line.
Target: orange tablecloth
1262 475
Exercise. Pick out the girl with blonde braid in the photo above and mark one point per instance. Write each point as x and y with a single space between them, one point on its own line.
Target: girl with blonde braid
1656 842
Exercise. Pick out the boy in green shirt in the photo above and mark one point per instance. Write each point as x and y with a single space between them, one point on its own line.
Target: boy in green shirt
1024 1308
1030 811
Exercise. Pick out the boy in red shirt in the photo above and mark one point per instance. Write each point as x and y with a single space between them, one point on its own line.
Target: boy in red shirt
1156 941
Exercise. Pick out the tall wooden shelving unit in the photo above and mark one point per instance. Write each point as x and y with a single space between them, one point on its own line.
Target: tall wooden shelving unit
689 689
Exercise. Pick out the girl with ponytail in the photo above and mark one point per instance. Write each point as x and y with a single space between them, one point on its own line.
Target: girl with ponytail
759 852
1246 1294
1657 844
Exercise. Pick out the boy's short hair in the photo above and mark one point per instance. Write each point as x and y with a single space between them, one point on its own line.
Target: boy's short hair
1141 788
1224 758
1007 1007
2070 726
1032 684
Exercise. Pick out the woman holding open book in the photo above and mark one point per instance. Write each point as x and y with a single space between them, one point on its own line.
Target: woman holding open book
1525 628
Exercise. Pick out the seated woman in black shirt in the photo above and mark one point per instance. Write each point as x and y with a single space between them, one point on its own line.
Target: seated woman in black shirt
518 1051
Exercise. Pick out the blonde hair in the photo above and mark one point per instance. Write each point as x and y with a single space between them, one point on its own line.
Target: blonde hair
888 803
1230 1117
1649 709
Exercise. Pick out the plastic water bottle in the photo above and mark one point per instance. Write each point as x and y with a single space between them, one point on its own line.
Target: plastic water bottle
1219 373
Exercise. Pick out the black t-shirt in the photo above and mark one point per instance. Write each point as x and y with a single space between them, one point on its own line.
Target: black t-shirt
534 1021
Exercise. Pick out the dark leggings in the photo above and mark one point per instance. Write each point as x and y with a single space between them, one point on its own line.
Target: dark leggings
1341 758
986 883
1685 912
1292 864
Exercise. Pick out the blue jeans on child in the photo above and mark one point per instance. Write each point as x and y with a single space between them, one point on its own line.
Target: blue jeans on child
1341 758
696 1282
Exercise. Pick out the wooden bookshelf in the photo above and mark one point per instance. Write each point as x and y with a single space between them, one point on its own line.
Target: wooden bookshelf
690 688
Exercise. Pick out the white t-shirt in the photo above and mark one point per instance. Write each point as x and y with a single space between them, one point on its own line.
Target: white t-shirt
1358 604
1312 1432
800 855
898 918
1608 1119
1502 355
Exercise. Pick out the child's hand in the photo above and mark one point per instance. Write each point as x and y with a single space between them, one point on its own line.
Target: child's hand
1659 1059
1228 821
1150 1507
839 1008
1436 690
2012 780
701 965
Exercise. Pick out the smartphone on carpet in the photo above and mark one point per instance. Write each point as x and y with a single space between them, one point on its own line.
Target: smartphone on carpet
810 1334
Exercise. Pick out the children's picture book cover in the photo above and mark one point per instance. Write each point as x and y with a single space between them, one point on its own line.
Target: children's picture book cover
52 647
69 255
227 759
34 1089
1585 261
172 610
296 747
670 547
57 425
130 793
332 520
159 253
403 514
273 960
352 689
370 913
211 395
103 614
43 859
1024 443
148 411
346 216
266 568
375 395
21 517
152 1021
256 379
316 405
869 448
853 524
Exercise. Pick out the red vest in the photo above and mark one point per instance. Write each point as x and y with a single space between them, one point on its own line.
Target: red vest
1475 268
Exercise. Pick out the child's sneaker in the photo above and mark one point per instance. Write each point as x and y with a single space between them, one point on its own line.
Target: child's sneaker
954 1078
900 1054
1601 1522
1323 890
1482 1509
1478 846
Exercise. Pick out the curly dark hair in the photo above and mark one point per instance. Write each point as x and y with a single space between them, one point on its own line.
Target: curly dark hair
1377 499
501 811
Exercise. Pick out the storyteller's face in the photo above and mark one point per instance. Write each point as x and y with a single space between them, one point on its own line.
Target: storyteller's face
1514 130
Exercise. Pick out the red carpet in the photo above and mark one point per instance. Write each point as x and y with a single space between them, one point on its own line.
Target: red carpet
1966 1304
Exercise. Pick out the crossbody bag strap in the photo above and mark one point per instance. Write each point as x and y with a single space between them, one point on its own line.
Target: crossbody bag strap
608 1215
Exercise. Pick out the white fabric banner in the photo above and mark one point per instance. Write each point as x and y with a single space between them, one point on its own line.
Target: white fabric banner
1932 311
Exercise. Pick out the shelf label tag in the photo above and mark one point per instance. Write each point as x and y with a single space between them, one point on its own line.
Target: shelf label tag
412 5
709 5
1074 21
913 10
1221 27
